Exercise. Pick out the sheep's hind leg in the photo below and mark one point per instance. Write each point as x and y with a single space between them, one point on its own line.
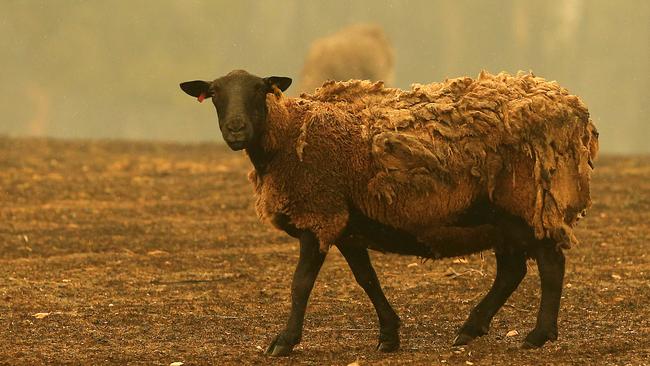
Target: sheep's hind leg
359 262
309 264
511 269
550 263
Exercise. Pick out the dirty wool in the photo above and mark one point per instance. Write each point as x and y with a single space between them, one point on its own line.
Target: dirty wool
417 159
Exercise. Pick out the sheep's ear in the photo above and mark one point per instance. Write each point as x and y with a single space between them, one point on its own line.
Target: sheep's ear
198 88
279 82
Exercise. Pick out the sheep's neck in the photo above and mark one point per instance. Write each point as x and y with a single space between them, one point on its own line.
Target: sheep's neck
262 150
258 157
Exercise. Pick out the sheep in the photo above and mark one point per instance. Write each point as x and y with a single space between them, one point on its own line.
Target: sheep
446 169
359 51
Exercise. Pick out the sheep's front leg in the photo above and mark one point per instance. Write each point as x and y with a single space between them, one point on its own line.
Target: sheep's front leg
359 262
309 264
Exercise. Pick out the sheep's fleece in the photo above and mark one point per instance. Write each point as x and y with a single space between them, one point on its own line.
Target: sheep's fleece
417 159
359 51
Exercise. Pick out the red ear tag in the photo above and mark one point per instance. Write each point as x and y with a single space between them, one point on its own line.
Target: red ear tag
201 97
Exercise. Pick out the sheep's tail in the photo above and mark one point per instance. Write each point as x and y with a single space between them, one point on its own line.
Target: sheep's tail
565 190
592 146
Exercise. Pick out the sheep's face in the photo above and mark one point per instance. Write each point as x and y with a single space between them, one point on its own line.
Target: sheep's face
240 100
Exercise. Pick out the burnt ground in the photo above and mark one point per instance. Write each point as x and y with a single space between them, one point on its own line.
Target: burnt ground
151 253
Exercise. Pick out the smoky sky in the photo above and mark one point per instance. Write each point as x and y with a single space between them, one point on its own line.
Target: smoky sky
110 69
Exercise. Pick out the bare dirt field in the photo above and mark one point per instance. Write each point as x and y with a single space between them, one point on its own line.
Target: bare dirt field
151 253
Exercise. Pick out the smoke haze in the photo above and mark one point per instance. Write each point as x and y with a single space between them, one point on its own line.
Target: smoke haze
110 69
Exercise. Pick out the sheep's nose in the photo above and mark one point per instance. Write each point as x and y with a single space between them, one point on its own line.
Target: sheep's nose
236 125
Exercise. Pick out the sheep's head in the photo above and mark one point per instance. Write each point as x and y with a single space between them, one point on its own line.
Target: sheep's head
240 100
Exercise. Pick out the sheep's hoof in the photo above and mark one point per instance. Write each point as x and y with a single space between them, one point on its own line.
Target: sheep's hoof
537 338
279 347
388 346
468 332
462 339
388 342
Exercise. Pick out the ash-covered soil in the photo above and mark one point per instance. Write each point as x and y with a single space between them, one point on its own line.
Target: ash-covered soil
151 253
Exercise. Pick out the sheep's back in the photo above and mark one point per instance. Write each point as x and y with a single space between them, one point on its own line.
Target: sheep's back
521 141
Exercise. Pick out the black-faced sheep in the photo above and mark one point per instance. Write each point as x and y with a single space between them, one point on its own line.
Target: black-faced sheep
498 162
360 51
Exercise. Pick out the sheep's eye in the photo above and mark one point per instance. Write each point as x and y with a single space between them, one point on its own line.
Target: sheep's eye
214 91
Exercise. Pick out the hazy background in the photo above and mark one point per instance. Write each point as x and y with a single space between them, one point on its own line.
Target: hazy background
110 69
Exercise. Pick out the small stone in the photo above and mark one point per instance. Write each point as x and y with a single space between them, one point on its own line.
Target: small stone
512 333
